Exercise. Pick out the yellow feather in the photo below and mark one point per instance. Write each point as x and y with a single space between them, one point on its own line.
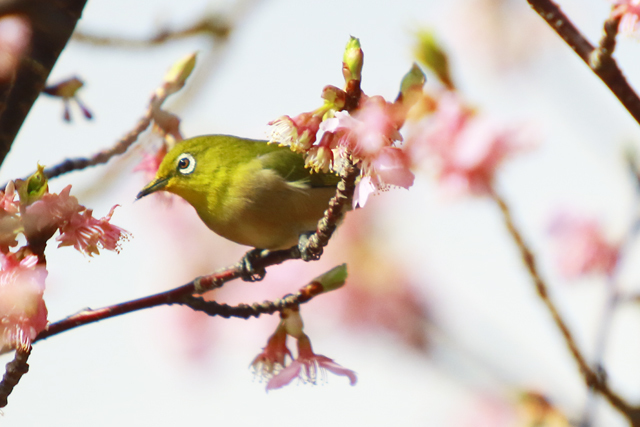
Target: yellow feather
244 190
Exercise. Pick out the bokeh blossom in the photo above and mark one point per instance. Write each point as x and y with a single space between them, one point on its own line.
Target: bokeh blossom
629 13
581 246
68 91
23 313
150 162
463 148
15 37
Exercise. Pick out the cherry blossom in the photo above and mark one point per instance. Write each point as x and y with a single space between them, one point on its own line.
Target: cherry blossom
462 148
23 313
88 234
370 135
308 366
582 247
52 210
273 356
298 132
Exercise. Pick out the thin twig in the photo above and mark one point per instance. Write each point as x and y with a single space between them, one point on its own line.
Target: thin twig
589 376
216 26
602 54
607 70
120 147
613 299
245 311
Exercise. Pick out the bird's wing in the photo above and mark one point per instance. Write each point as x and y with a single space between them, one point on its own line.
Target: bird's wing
290 166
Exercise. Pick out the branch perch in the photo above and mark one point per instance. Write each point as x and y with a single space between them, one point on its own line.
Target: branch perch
604 66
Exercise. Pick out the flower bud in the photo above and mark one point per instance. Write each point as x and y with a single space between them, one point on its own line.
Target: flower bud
33 188
352 61
334 96
333 279
179 72
430 53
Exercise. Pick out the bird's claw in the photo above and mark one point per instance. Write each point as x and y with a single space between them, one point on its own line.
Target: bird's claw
249 273
307 253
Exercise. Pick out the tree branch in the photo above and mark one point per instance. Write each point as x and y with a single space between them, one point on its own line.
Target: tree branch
52 23
216 26
604 66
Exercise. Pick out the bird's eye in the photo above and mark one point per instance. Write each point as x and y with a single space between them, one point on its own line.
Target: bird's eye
186 164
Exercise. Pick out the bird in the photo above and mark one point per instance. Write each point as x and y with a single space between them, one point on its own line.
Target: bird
247 191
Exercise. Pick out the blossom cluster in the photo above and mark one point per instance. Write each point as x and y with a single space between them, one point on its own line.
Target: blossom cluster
582 247
463 148
28 209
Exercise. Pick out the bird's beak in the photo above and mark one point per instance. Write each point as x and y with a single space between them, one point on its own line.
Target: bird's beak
152 187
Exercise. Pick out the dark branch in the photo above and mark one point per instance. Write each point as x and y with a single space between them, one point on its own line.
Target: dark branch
607 70
52 23
14 372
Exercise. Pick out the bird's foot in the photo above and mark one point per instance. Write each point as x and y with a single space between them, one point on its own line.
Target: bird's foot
307 252
249 272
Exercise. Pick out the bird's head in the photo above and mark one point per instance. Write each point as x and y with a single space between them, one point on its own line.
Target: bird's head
180 170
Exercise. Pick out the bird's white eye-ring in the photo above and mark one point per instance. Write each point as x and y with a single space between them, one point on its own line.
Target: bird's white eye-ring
186 163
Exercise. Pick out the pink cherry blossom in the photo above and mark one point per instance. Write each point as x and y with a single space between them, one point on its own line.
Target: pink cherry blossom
392 166
23 313
308 366
273 356
52 210
364 189
582 247
370 135
463 149
629 13
88 234
369 130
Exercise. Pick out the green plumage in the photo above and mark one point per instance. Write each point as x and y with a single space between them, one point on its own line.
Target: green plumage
248 191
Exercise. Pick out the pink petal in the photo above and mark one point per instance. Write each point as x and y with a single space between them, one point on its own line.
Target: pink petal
285 376
334 368
392 166
364 189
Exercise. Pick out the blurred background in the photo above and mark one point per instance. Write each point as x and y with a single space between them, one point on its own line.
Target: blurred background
438 318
